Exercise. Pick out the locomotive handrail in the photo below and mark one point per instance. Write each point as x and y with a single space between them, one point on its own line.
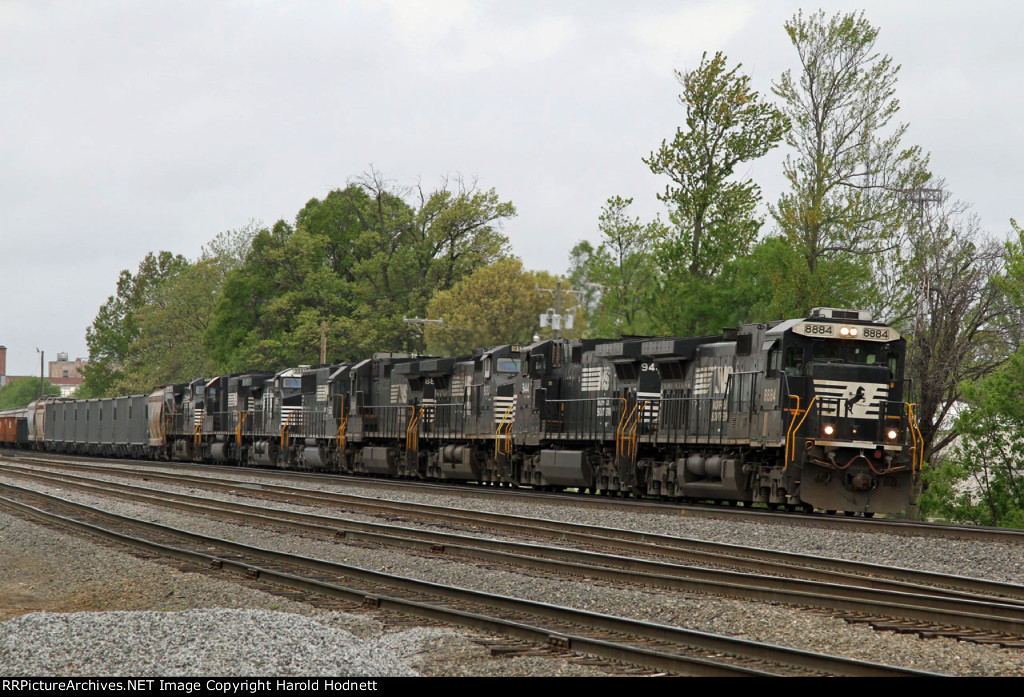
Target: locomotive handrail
238 428
412 429
619 429
441 419
505 440
638 409
797 429
794 412
389 419
342 429
285 434
622 446
508 432
592 424
916 437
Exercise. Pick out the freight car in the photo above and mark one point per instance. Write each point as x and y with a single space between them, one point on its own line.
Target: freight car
803 413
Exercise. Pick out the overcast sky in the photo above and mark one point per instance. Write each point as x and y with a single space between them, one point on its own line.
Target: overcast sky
129 127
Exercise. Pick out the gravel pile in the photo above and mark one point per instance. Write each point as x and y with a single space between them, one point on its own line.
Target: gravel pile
196 643
463 653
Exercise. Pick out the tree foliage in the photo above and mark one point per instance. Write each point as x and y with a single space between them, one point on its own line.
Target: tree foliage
356 263
713 214
496 304
25 390
619 276
113 335
947 301
726 124
980 479
849 173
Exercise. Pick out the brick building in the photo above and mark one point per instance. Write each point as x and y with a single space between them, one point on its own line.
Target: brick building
64 373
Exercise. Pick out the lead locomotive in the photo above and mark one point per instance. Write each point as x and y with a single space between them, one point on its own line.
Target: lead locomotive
803 413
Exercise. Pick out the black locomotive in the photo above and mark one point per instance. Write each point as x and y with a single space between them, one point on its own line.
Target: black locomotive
803 413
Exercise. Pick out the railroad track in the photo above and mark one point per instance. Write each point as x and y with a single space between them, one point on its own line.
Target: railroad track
884 525
656 646
925 604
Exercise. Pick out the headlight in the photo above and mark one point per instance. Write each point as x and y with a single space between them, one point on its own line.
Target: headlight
892 434
829 430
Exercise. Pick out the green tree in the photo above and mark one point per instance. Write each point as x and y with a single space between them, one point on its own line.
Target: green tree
270 311
357 262
169 347
496 304
115 329
620 274
713 214
18 393
980 479
849 174
949 304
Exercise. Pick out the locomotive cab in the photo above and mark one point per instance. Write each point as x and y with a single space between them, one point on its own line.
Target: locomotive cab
849 435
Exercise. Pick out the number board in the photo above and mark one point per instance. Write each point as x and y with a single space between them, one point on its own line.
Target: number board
829 330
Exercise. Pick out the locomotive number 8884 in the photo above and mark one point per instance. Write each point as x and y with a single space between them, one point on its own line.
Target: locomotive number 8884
805 413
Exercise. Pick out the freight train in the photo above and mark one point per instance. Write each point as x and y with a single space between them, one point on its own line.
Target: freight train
804 413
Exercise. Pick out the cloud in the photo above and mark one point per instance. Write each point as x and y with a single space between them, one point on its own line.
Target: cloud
672 38
456 36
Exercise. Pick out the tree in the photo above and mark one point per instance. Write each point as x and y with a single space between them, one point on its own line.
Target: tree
357 262
115 329
713 214
980 479
496 304
620 274
966 352
18 393
849 174
169 346
949 305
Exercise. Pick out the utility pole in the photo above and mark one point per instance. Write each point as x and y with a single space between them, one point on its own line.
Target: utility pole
922 197
41 355
420 325
553 317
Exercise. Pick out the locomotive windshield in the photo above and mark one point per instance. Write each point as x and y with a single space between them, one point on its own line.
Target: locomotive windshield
856 352
508 365
862 352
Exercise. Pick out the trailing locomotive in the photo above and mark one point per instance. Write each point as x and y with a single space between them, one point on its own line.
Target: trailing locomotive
803 413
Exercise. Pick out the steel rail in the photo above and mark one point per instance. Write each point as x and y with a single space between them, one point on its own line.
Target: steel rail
632 542
938 613
882 525
237 557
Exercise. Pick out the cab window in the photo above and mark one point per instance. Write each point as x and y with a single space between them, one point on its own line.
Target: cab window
794 361
863 354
